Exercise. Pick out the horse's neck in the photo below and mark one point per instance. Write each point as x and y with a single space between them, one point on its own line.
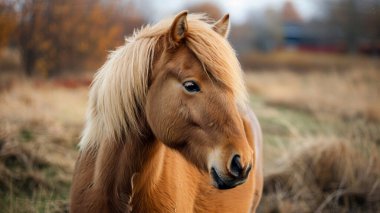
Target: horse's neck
126 166
142 164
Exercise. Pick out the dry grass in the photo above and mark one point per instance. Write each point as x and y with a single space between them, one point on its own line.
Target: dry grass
39 129
322 137
327 174
354 93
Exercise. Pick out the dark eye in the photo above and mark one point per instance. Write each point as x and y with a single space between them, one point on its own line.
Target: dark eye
191 86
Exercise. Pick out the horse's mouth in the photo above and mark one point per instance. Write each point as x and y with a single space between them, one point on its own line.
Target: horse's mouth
225 183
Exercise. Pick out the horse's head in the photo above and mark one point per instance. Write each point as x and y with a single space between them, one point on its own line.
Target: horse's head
193 108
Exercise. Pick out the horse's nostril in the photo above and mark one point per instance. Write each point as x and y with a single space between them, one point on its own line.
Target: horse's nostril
248 170
236 168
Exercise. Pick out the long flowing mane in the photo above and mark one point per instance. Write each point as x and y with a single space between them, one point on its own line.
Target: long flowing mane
118 92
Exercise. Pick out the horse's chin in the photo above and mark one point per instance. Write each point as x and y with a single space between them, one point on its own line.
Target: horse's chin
221 182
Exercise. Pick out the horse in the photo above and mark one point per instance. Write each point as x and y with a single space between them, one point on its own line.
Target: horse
168 127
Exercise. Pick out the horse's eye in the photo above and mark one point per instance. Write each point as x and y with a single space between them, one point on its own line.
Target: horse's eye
191 86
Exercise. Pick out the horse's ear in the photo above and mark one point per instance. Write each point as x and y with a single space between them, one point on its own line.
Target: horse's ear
222 26
178 28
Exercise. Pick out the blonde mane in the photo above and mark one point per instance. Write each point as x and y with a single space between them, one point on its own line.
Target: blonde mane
119 89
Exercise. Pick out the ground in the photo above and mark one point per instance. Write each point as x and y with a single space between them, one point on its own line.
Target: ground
321 139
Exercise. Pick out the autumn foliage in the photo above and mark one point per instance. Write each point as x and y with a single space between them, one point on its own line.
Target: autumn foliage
59 35
7 22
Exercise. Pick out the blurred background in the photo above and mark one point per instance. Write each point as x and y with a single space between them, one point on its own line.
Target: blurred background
312 69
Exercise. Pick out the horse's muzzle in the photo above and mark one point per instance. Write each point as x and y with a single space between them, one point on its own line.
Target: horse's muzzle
228 182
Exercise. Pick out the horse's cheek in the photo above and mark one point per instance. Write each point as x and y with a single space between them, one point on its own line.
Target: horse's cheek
160 109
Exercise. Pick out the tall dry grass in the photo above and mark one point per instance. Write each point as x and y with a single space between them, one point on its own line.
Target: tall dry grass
321 139
326 175
39 129
353 93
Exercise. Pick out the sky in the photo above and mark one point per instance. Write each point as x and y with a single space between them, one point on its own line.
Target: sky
239 9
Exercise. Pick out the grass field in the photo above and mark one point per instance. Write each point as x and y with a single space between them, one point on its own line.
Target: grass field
321 140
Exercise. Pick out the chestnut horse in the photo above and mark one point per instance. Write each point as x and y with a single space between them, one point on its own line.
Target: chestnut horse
168 126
